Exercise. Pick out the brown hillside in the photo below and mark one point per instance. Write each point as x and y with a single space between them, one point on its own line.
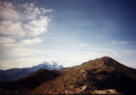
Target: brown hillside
99 74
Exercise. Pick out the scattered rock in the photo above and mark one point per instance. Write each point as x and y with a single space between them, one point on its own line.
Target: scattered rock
83 88
105 91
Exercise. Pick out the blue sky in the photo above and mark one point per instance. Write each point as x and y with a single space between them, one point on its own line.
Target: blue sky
68 32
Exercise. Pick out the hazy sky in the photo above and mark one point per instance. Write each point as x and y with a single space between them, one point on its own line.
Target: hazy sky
68 32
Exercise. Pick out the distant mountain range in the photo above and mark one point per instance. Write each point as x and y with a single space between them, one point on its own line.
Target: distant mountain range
17 73
100 76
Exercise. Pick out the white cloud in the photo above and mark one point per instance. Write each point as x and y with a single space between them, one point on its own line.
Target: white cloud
22 62
20 28
46 11
128 52
28 21
84 45
31 41
124 42
36 27
6 40
120 42
18 52
8 12
11 28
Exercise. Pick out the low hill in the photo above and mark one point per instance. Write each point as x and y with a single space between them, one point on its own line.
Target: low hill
29 82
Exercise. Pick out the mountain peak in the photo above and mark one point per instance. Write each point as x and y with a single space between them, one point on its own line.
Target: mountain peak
102 63
106 58
108 61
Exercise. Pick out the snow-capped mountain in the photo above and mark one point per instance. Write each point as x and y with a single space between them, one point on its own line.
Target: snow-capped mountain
17 73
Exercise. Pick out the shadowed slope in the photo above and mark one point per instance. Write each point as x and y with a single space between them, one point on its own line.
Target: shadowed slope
29 82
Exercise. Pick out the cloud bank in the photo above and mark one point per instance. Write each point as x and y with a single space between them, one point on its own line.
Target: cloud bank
20 28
